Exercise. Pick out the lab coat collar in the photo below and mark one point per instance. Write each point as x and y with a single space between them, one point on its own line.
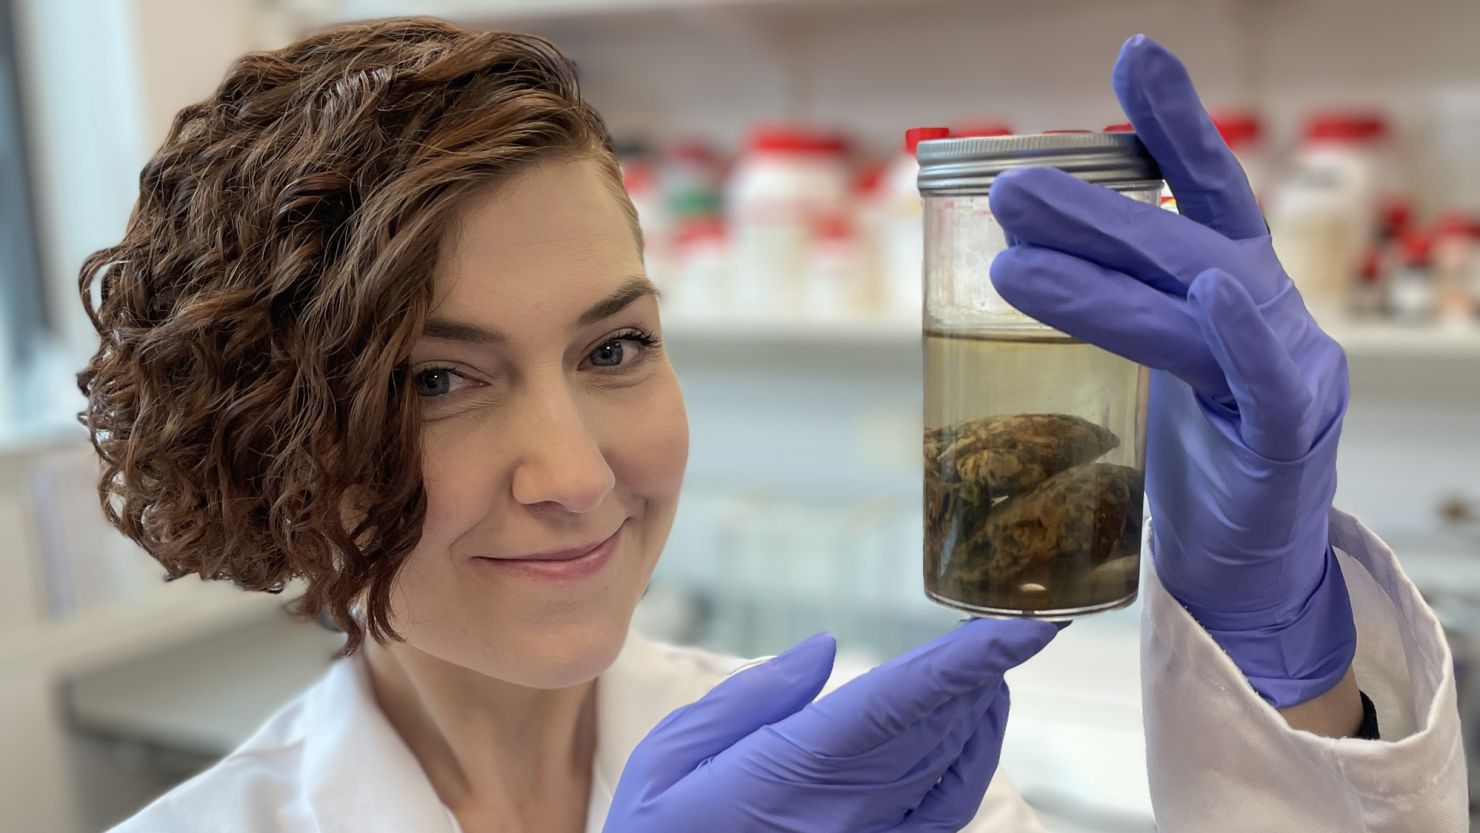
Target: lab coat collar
646 682
354 758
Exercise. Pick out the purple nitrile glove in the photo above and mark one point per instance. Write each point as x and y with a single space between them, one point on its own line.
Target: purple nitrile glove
909 746
1247 393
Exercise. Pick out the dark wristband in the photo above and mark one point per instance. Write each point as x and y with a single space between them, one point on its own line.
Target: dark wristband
1368 730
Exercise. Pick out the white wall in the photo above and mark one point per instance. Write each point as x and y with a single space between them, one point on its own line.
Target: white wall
100 84
80 96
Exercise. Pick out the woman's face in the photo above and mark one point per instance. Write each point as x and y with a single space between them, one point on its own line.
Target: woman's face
550 423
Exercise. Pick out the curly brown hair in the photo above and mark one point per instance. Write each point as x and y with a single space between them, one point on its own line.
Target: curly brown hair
249 397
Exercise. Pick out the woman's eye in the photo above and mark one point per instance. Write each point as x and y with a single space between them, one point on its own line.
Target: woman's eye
609 354
435 382
617 352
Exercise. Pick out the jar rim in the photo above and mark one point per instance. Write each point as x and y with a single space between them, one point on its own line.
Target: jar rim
965 166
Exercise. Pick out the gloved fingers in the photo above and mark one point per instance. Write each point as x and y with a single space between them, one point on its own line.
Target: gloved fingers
912 759
954 801
890 699
1272 395
1111 310
741 704
954 736
1050 208
870 791
1158 98
916 781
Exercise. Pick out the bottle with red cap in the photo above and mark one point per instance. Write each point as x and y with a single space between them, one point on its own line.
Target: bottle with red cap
973 128
701 268
834 284
1473 267
1456 259
641 177
1411 295
900 243
690 178
1243 131
1369 294
1325 213
788 177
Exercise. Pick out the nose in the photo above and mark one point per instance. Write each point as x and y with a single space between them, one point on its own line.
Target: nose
560 460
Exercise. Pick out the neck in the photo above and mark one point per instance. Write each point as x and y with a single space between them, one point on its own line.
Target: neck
510 755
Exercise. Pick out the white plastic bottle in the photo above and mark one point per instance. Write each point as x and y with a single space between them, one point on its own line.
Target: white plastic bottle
1411 293
701 271
788 178
640 178
868 226
901 237
834 285
690 179
1324 214
1243 131
1456 270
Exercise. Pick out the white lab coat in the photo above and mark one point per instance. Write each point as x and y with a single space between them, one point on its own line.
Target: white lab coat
1220 759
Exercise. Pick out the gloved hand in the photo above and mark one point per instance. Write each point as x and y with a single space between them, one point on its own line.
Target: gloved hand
1247 393
909 746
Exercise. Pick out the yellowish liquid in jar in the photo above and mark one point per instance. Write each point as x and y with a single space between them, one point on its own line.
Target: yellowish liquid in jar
1034 459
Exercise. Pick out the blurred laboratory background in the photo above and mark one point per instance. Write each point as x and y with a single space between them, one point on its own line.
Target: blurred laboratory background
763 142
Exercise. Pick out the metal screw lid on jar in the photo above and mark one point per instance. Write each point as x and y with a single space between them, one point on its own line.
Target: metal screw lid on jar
968 166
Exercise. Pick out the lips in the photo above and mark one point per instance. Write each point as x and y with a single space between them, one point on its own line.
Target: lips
559 565
557 555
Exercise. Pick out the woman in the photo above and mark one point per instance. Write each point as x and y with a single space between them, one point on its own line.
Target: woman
379 322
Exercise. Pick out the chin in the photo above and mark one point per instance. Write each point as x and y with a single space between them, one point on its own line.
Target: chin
572 655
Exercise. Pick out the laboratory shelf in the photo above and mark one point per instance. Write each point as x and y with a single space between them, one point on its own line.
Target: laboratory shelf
1359 340
792 331
176 612
205 696
1415 341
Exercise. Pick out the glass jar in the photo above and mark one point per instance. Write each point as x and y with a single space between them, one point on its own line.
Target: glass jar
1034 441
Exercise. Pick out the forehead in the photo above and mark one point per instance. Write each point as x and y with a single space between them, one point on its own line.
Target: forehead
557 227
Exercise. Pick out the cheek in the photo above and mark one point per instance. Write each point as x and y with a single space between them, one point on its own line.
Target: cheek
650 452
457 474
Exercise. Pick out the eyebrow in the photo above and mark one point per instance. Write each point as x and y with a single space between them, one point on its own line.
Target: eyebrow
448 329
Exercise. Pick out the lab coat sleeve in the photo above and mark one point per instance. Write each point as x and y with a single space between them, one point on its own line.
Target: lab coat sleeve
1221 759
1003 810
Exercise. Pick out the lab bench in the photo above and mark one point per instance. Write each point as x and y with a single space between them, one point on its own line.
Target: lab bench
159 718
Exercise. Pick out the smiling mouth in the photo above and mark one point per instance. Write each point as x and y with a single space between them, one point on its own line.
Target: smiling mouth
561 567
559 556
